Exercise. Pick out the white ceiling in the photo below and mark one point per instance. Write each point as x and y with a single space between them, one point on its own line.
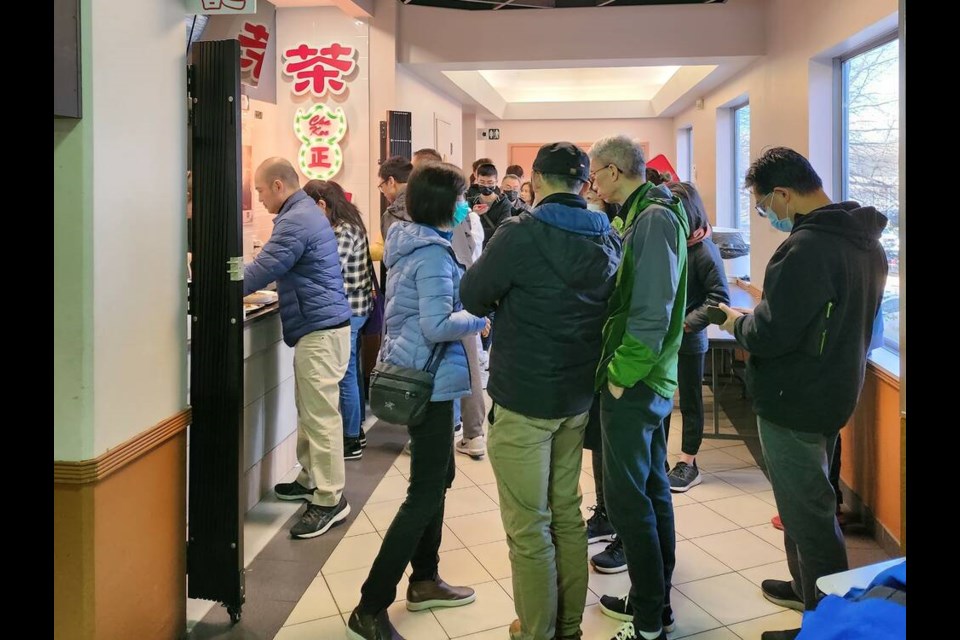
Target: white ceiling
603 84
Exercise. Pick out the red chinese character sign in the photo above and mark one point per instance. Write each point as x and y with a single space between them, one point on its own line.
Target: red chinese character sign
253 45
319 70
320 130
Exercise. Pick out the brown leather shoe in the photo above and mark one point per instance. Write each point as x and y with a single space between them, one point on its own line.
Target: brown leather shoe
428 594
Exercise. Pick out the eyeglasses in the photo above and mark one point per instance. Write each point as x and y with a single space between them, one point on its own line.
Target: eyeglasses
759 207
380 186
593 175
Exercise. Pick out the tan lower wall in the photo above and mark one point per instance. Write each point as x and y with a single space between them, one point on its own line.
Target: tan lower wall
120 548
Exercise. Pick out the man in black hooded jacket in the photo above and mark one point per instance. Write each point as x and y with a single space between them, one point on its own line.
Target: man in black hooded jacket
808 341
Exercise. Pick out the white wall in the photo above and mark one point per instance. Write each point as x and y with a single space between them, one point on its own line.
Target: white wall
424 103
783 109
322 26
656 131
139 215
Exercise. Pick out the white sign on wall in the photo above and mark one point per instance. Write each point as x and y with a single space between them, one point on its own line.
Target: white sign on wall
320 130
221 7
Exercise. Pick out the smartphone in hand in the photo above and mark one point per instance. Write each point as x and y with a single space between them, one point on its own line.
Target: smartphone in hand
716 315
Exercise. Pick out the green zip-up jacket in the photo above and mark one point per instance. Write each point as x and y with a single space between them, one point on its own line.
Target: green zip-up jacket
645 324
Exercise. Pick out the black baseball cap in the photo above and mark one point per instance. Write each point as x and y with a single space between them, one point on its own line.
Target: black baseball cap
563 159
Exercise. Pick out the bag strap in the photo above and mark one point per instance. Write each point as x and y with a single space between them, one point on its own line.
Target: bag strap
436 358
373 273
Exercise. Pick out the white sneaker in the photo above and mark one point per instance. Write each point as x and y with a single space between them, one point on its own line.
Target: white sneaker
473 447
457 430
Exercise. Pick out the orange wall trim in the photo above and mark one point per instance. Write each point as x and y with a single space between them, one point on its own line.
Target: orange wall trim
84 471
872 455
119 546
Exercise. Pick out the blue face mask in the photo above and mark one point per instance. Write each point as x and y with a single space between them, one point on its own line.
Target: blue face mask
780 224
461 212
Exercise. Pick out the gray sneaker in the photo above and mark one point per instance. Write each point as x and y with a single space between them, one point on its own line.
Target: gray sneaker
684 476
317 520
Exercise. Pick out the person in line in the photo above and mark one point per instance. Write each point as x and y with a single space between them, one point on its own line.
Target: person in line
353 250
808 340
549 274
301 256
423 312
637 377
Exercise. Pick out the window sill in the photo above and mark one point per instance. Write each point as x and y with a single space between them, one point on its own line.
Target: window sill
886 363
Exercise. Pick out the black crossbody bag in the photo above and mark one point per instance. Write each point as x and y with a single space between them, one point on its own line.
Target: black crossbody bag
400 395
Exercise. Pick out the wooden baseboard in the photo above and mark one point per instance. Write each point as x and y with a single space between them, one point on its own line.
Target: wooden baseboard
96 469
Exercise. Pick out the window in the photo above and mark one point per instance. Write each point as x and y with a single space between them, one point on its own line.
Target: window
685 154
870 152
741 163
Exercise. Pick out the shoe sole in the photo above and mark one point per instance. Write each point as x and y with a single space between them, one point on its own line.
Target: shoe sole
438 604
609 571
608 537
353 635
616 615
306 496
796 605
692 484
337 519
354 457
475 456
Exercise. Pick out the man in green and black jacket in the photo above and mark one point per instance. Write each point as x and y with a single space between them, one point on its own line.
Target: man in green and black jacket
637 377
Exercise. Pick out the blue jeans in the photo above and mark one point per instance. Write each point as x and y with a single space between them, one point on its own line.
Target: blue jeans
350 399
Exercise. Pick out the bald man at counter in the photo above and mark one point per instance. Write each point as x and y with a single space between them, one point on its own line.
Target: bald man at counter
301 256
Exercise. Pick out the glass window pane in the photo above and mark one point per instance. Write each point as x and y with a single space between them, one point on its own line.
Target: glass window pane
871 155
741 165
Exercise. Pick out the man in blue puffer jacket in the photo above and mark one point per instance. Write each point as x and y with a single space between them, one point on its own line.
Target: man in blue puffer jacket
301 255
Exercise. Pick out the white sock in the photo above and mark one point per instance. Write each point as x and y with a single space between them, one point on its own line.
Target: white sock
650 635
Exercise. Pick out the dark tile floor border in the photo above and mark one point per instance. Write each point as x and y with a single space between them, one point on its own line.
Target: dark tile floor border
279 575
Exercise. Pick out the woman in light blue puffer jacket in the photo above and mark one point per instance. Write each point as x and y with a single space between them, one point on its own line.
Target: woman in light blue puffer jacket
423 310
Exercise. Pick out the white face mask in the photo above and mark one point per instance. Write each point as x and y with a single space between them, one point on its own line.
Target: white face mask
593 206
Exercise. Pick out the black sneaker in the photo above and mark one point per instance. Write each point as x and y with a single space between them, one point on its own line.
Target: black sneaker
627 632
612 559
352 449
599 528
781 592
620 609
684 476
362 626
788 634
292 491
317 520
363 438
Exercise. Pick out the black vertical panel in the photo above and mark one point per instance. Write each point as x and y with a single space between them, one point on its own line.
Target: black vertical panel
66 59
399 133
215 552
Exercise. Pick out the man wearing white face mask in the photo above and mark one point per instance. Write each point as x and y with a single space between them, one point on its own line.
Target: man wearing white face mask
808 339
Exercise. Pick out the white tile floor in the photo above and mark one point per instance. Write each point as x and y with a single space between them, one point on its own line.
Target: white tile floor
725 547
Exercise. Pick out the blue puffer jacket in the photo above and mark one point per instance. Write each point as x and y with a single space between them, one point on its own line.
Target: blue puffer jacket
423 307
301 255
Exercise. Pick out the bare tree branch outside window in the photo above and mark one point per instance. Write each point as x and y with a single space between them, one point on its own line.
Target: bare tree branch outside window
871 153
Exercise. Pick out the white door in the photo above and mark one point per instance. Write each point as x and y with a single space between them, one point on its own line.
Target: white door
443 137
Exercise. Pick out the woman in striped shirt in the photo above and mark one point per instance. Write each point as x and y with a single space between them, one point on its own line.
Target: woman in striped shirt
353 248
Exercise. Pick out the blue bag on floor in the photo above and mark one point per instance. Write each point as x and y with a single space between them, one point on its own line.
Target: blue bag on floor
878 612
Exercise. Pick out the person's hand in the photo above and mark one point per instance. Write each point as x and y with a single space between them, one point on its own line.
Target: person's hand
732 315
742 310
486 328
615 391
480 208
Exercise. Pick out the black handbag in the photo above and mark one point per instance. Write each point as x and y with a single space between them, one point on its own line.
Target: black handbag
400 395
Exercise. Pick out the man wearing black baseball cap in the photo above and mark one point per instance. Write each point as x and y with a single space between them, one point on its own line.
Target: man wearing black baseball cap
548 274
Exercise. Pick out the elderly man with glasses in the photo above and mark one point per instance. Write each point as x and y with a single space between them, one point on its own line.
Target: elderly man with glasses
637 378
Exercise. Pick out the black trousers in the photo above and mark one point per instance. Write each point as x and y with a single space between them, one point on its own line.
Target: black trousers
690 383
414 535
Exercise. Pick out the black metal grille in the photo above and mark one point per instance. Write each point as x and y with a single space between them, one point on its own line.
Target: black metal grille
215 551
